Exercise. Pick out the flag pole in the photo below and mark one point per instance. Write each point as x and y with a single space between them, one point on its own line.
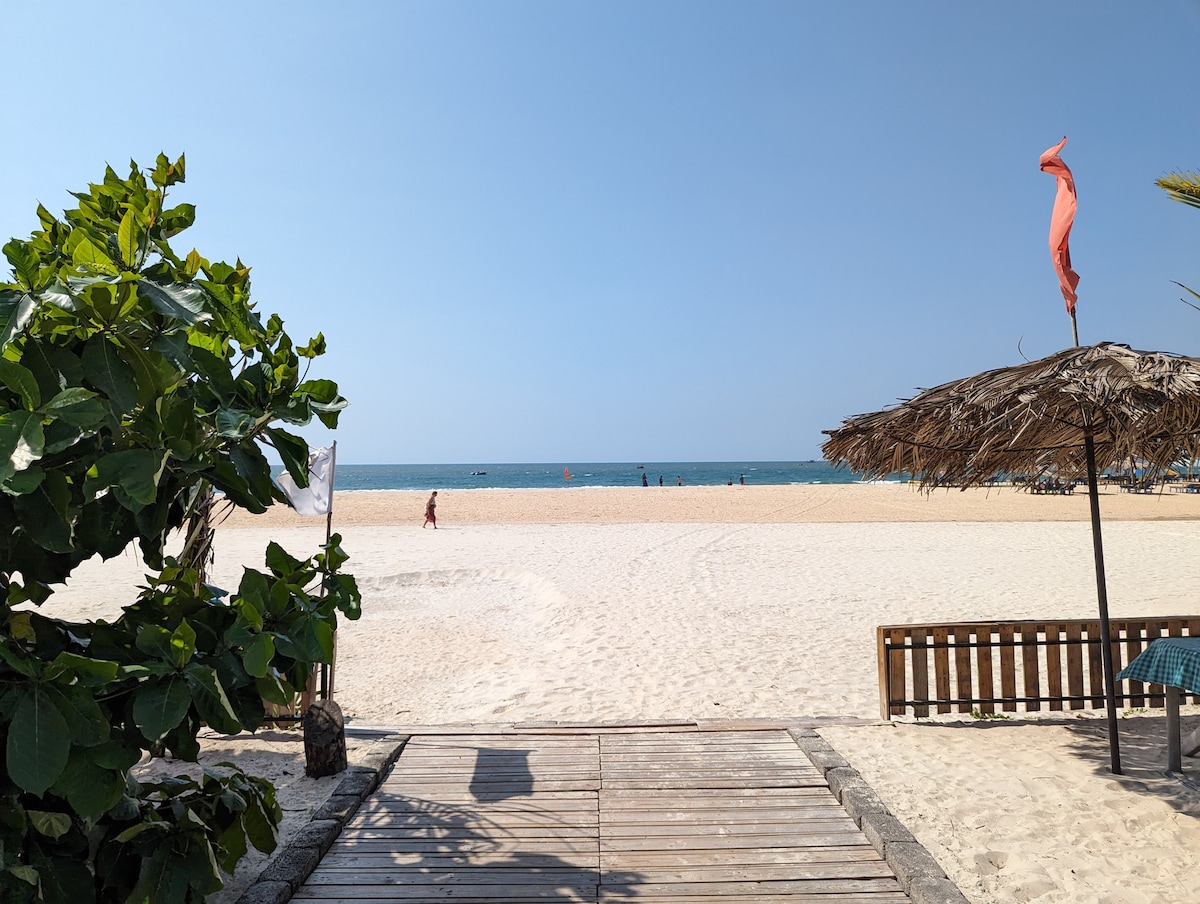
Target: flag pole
1061 220
328 669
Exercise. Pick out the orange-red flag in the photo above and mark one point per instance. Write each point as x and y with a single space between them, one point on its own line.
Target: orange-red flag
1061 219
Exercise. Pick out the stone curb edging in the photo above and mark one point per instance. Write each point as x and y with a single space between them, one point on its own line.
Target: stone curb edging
920 876
289 868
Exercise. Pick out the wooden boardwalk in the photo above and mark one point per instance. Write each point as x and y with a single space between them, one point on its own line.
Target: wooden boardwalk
679 817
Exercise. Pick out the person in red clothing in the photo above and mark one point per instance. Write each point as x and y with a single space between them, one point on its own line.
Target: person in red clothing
430 511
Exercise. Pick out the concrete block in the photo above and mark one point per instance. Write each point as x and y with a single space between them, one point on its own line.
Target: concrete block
340 807
319 834
883 829
935 891
842 777
293 866
862 801
266 893
358 784
910 861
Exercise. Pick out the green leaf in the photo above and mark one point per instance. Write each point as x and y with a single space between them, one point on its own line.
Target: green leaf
39 743
258 655
234 424
183 645
258 825
159 705
314 349
105 370
21 381
44 512
52 825
135 471
293 451
84 718
183 302
22 441
16 310
91 789
24 260
211 701
87 255
77 406
90 672
131 235
280 561
154 641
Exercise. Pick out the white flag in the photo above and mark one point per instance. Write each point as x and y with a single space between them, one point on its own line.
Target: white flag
317 497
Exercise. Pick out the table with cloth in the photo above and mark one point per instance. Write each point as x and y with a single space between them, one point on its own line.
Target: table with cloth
1173 662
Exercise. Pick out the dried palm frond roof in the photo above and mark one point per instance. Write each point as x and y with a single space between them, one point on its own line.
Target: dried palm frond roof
1031 419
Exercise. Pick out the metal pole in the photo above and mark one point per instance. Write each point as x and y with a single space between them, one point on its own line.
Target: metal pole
1110 692
326 670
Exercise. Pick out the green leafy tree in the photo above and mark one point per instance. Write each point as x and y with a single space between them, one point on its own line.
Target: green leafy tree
133 381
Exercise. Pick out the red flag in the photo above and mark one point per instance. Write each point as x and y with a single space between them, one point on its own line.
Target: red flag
1061 220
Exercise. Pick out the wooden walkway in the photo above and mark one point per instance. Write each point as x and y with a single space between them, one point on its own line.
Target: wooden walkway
685 818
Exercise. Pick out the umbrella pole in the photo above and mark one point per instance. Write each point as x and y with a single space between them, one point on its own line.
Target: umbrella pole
1110 693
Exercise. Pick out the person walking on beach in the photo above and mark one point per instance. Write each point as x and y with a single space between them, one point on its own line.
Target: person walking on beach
430 511
660 480
644 482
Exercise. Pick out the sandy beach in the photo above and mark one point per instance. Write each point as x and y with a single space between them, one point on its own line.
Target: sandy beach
762 602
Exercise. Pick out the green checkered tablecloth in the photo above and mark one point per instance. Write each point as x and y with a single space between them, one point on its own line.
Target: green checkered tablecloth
1171 661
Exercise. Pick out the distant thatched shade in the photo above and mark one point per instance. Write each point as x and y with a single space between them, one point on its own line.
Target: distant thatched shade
1031 419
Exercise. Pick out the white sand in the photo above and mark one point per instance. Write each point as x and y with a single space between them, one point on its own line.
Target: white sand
743 602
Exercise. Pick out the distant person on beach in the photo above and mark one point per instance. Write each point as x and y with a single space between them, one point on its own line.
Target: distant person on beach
678 481
742 480
645 482
730 482
660 480
430 511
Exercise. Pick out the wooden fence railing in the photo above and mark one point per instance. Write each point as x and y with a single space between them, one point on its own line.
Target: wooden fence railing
958 665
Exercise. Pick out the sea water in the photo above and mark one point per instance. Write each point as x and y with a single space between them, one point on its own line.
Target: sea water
482 475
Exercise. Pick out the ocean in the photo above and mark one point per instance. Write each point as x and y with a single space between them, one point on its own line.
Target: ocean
584 474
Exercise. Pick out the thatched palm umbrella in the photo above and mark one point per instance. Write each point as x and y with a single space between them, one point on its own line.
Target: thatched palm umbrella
1065 413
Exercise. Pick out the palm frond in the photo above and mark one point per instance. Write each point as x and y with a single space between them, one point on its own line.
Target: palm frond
1181 187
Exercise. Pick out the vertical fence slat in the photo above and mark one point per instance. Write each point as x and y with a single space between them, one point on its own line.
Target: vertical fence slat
1095 665
987 684
1008 669
1030 671
1053 666
920 672
1135 631
896 667
962 665
941 668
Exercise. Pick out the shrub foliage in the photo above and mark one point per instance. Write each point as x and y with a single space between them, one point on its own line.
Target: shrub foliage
134 380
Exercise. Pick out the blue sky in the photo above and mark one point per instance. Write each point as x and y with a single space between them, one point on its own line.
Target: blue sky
625 231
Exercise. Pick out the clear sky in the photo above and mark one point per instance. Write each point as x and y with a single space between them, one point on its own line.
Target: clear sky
626 231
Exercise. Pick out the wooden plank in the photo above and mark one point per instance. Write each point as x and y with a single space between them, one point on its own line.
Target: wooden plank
1095 659
920 671
1030 667
1153 632
1075 664
718 842
1008 668
941 668
962 666
983 664
1054 666
679 831
882 648
1133 648
362 861
627 860
721 818
896 670
584 845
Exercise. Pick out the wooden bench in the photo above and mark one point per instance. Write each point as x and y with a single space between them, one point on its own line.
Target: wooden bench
957 665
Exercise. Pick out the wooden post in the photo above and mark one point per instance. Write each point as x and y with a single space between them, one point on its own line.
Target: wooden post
324 739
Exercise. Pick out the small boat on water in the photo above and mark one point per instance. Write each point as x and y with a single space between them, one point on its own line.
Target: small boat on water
479 473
